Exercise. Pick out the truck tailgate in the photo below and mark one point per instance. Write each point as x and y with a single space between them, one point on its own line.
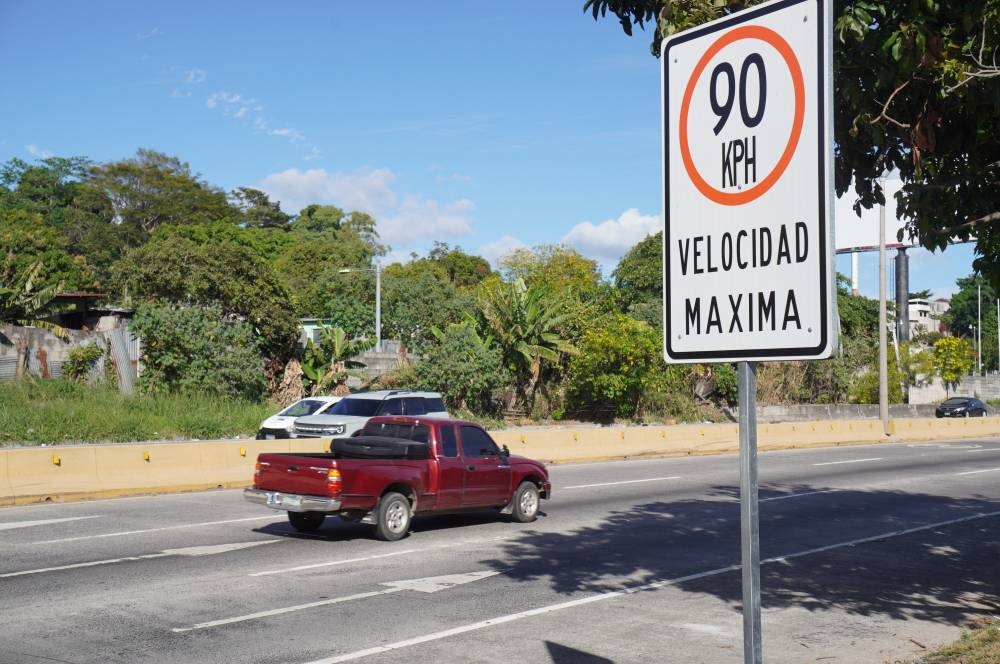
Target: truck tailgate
294 474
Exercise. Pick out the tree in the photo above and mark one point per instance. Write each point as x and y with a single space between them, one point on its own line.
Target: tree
523 321
257 209
639 280
464 270
954 359
917 87
155 189
614 367
227 275
417 297
327 366
467 370
26 240
193 350
963 316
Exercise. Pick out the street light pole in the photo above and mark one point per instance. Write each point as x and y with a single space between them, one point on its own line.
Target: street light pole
378 307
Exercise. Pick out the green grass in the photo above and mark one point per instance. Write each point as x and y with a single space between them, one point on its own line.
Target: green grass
980 645
33 412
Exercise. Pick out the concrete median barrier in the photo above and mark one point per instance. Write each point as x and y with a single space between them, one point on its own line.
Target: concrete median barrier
38 474
6 493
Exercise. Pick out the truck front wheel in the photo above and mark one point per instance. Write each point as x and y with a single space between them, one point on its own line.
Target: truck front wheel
525 503
393 518
306 522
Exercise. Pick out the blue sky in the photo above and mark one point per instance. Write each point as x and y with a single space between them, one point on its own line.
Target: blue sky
488 126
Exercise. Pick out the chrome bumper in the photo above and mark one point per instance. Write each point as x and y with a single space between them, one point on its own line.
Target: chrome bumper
291 502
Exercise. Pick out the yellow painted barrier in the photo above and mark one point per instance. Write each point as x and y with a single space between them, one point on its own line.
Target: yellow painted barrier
51 473
6 493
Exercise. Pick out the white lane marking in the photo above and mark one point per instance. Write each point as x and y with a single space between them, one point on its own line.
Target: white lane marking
798 495
287 609
433 584
398 645
347 561
587 486
429 585
157 530
976 472
834 463
43 522
983 449
189 551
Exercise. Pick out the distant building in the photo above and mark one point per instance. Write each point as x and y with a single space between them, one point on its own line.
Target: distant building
926 315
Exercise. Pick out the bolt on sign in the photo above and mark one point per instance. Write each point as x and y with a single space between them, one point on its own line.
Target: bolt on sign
748 165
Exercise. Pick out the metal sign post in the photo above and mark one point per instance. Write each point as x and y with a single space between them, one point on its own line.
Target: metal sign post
748 261
749 523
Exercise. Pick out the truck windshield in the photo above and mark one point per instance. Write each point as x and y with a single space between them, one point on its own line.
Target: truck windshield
361 407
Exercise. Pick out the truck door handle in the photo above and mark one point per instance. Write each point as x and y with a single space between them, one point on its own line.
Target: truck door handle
470 467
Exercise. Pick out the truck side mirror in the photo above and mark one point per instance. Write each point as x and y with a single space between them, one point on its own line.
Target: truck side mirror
505 452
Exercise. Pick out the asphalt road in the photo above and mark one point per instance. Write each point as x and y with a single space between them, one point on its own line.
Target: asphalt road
870 554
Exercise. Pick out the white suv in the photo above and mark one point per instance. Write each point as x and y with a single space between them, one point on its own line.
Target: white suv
350 413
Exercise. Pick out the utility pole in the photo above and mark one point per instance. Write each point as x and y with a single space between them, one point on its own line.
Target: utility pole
979 331
883 360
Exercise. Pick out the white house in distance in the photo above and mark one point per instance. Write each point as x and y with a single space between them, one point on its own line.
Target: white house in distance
925 315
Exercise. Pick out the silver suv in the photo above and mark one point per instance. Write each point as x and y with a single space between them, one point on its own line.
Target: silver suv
350 413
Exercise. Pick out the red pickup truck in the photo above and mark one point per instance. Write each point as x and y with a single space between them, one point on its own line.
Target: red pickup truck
398 467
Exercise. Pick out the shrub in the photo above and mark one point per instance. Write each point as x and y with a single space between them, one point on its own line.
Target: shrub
80 360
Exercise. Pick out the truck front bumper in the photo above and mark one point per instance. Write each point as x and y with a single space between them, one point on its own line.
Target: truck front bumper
291 502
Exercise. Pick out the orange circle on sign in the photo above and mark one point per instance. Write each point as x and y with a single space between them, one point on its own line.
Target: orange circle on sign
780 45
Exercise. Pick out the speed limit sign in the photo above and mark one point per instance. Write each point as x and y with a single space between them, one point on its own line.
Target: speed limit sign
747 164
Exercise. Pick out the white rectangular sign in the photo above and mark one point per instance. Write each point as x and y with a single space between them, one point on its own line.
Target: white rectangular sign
748 217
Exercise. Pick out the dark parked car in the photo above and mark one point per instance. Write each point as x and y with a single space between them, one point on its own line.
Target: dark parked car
961 407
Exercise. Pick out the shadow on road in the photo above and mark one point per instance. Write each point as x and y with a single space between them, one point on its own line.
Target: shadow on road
949 573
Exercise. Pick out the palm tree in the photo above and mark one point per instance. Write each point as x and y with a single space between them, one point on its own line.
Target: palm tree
523 321
23 303
328 365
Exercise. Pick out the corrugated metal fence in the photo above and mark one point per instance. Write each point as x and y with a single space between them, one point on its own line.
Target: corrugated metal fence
43 354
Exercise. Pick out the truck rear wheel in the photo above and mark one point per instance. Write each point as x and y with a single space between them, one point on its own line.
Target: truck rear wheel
525 503
393 518
306 522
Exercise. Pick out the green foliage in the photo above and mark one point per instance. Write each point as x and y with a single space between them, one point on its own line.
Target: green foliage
727 384
916 93
192 350
23 300
26 239
59 411
617 358
80 360
258 210
467 371
639 280
155 189
858 314
327 365
523 321
865 388
417 297
966 309
224 274
463 270
954 358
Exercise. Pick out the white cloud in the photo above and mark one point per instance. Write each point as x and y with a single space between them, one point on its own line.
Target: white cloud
155 32
365 189
294 135
611 239
498 249
418 218
400 219
36 151
234 104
